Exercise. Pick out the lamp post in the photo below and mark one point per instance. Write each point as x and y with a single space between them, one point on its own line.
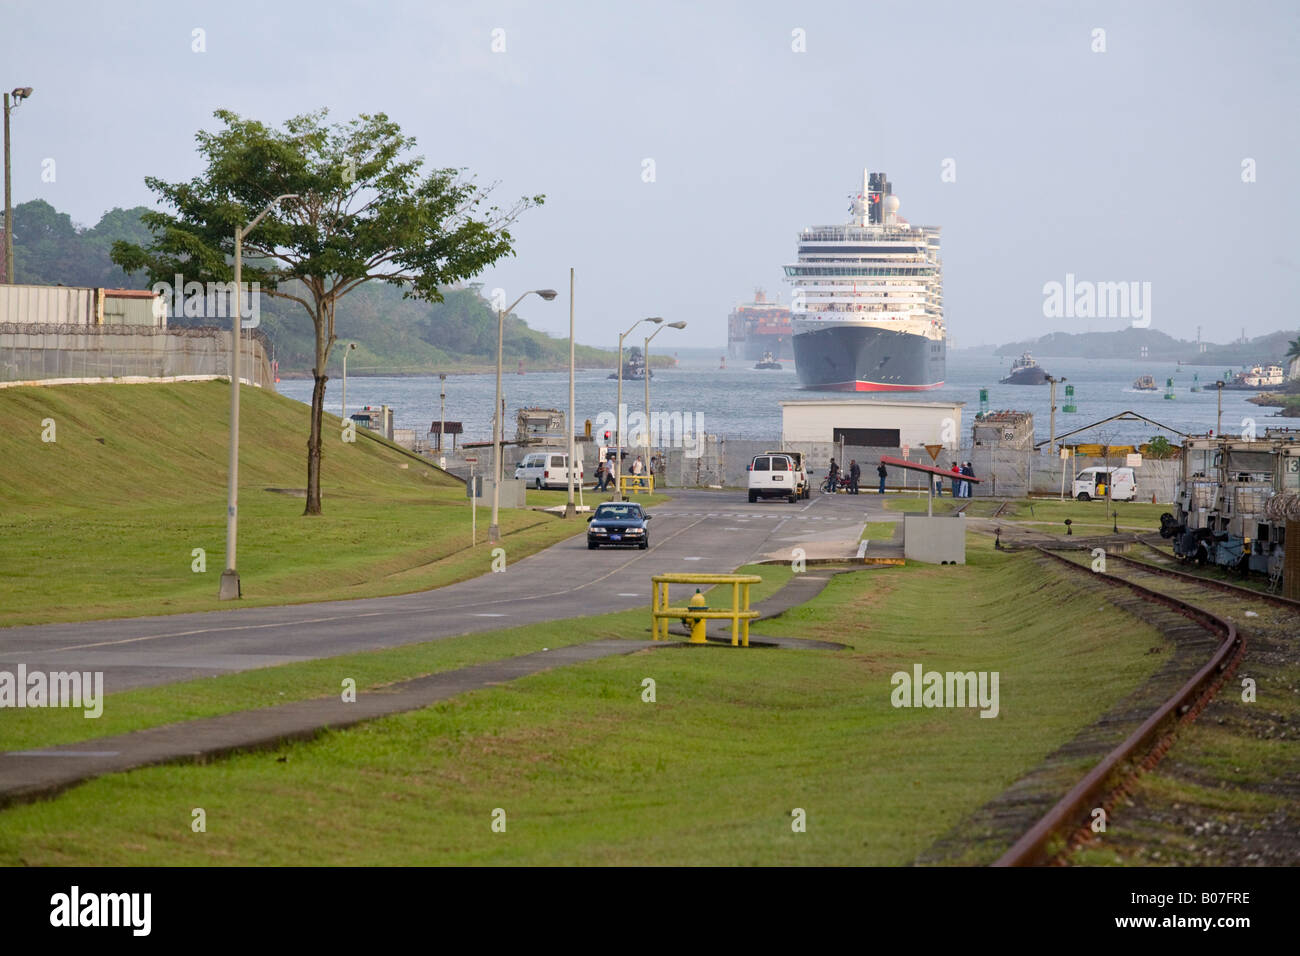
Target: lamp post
645 354
351 346
442 408
570 509
1051 443
19 94
230 588
494 530
1218 425
618 411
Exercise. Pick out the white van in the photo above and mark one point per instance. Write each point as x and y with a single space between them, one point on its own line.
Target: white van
1091 483
774 476
547 469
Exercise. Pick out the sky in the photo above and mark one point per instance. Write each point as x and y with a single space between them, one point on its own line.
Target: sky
682 146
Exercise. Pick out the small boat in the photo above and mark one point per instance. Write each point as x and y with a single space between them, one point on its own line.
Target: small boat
1145 383
634 368
1025 371
768 362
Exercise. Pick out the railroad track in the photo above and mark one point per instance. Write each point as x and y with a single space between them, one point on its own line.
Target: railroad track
1227 587
1066 823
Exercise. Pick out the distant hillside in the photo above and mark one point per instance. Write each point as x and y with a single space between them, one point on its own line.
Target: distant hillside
1128 343
392 334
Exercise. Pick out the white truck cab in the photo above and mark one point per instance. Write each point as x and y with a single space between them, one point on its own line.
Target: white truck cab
1092 483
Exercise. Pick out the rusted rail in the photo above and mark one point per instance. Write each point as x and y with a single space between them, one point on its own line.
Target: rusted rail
1071 811
1277 600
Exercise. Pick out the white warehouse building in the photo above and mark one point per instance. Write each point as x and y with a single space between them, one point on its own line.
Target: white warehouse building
872 423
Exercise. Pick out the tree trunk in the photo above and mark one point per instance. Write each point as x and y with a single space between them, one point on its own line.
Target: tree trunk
314 443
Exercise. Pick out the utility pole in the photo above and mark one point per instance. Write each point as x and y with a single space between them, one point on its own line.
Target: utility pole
19 94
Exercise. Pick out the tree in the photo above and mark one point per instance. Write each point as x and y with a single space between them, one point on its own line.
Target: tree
366 212
1159 448
1293 350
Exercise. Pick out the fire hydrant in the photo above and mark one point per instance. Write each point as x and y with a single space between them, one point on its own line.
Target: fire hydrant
697 623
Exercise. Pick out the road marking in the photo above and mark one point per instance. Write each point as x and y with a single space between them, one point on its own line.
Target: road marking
684 559
620 593
476 615
862 547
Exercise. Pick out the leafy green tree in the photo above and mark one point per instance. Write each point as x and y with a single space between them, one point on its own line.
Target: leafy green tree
367 211
1159 448
1293 349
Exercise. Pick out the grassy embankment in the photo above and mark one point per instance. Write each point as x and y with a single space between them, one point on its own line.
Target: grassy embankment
103 521
588 772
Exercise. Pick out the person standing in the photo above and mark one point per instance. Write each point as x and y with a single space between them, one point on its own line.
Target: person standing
880 470
832 473
854 474
956 483
600 475
969 472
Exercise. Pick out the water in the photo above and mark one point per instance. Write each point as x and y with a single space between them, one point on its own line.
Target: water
742 403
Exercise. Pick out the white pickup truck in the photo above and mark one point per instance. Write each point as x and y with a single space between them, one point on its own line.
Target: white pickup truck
776 475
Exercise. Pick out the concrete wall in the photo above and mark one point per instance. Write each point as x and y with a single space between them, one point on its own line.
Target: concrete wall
35 353
917 422
937 540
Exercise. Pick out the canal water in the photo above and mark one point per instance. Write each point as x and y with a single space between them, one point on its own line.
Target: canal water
740 402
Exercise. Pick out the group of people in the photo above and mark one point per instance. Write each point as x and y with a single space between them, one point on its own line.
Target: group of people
960 489
605 470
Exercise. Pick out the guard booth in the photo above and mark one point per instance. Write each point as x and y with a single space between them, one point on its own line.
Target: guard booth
931 538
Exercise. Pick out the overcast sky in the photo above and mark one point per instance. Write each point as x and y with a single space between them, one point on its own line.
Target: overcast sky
1122 165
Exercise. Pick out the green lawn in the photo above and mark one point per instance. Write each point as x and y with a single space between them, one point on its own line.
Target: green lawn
268 686
587 772
104 521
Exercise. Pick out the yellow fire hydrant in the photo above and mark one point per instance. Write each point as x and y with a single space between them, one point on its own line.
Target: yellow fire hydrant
697 623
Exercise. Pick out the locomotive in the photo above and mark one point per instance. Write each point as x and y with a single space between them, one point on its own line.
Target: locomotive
1233 502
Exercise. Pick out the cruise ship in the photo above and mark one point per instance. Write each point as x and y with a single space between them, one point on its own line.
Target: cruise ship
867 309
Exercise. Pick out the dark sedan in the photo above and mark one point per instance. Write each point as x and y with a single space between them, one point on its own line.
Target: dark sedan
618 523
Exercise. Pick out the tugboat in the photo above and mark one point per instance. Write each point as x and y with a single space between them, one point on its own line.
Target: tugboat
769 362
1145 383
634 367
1025 371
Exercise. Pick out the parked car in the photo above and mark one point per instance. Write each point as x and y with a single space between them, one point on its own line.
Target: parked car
547 469
619 523
774 476
1091 483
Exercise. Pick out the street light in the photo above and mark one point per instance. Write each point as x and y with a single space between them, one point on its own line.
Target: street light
19 94
1218 425
351 347
645 354
494 530
230 588
1051 443
618 410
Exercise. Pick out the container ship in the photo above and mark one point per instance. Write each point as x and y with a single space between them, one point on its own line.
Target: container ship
867 305
757 328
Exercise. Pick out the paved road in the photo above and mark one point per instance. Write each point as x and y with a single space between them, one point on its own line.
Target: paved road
696 531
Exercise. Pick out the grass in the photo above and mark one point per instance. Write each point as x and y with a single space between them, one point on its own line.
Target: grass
269 686
104 520
587 772
877 531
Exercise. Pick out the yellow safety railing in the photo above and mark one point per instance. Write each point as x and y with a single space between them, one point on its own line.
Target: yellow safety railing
697 613
636 484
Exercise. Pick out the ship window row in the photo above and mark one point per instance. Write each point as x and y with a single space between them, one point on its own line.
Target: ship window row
916 270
